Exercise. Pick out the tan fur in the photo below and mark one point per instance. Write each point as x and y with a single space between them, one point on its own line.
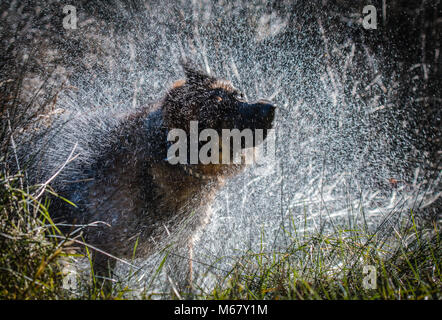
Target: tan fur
222 84
178 83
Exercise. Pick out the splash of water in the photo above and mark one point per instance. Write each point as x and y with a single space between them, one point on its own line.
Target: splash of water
345 142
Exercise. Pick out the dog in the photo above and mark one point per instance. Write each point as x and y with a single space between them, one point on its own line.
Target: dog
134 190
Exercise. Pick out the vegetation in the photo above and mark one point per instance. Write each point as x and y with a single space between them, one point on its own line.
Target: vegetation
319 266
331 266
29 258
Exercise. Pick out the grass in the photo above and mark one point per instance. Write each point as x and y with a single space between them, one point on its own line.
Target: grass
312 266
29 260
35 255
330 266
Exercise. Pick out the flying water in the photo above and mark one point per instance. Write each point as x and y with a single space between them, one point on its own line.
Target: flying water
344 140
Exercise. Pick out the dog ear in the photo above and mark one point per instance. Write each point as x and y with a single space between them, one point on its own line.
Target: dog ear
193 75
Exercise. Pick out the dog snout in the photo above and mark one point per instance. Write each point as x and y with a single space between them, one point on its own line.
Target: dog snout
256 115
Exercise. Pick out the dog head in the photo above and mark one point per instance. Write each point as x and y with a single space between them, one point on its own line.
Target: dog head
214 104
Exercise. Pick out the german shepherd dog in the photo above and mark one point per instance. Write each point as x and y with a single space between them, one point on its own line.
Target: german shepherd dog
132 188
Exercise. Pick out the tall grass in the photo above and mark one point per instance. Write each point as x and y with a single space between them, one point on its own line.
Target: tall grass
312 266
331 266
29 260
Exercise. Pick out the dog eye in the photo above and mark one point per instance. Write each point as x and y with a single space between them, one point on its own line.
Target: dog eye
218 98
239 96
